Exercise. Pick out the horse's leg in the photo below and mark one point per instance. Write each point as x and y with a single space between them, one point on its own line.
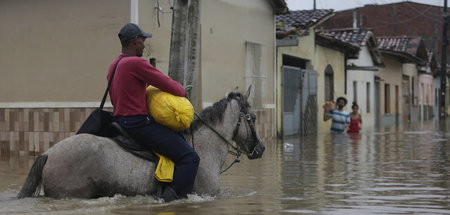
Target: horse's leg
212 154
206 182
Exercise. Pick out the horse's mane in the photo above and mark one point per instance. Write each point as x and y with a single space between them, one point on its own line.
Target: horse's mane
214 114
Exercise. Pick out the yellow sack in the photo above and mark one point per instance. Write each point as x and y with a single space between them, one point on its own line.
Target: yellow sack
172 111
164 170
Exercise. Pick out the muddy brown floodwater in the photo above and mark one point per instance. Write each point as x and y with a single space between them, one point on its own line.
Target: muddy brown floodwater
394 171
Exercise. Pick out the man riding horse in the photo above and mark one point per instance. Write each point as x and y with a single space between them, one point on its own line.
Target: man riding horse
90 166
128 97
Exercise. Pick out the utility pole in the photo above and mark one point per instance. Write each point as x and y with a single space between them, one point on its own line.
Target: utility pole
177 61
442 108
185 47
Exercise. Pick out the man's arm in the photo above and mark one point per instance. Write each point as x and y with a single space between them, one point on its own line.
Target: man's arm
325 115
159 80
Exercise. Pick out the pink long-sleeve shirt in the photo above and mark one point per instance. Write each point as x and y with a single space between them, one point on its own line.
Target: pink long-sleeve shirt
128 89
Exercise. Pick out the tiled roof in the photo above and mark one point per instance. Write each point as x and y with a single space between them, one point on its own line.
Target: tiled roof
331 42
358 37
303 19
406 44
409 45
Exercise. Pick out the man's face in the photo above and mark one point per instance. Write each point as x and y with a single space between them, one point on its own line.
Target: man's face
340 103
140 46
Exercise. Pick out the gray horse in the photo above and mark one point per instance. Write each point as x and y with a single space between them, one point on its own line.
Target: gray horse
88 166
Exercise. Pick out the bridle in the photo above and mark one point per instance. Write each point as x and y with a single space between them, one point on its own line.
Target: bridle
250 138
236 150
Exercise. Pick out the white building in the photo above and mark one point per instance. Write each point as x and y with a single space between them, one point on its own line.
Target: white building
361 73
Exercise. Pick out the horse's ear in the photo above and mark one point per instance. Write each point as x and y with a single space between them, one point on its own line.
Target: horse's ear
234 92
247 94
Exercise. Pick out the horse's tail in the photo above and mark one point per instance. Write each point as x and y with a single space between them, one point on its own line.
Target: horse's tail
31 187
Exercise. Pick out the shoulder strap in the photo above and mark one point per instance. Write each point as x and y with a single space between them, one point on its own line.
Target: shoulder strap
109 83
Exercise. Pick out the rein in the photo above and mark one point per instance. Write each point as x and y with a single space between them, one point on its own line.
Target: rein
218 134
237 152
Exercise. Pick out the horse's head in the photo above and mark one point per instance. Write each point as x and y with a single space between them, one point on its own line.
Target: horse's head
245 134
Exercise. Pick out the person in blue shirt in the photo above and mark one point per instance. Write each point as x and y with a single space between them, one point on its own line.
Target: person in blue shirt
341 118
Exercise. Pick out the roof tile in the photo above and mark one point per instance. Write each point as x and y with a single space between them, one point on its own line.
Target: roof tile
406 44
303 18
357 37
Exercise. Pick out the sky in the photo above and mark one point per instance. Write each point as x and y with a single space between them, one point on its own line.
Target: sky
337 5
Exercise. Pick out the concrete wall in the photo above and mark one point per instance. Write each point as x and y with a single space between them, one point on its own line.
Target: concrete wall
391 75
58 51
230 29
364 58
227 26
159 24
365 92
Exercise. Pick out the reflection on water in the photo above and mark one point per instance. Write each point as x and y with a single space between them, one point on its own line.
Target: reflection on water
393 171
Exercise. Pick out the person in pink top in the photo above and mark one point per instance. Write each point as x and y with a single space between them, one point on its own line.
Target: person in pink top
128 96
355 119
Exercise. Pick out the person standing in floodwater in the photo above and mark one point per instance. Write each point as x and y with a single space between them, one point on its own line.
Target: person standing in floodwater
355 119
341 118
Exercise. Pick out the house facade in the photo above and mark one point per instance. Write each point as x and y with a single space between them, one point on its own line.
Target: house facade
427 21
54 65
361 73
431 94
310 71
404 57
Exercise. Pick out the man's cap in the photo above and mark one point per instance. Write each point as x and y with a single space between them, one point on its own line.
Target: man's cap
131 31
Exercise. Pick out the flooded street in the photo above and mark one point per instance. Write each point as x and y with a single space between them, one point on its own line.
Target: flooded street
394 171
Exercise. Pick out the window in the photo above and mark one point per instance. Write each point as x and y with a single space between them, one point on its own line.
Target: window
387 99
329 83
355 92
368 97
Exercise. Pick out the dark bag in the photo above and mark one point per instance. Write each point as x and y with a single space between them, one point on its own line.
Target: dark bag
99 121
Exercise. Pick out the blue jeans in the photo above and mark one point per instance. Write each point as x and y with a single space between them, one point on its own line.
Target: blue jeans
165 141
